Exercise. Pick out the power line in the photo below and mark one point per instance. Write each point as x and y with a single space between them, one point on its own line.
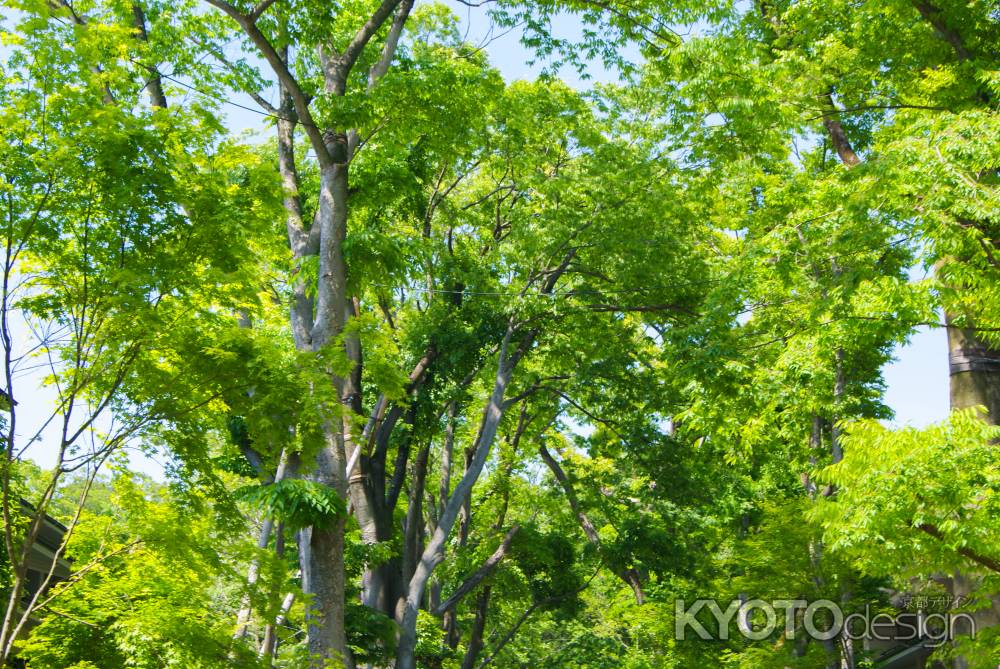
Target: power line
565 293
216 96
622 291
227 101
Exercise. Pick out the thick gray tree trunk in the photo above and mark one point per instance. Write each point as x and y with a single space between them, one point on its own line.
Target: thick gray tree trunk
974 373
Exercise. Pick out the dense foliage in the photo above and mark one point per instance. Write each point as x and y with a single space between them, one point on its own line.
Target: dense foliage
447 371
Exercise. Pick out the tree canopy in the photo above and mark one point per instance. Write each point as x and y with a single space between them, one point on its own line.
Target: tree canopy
444 370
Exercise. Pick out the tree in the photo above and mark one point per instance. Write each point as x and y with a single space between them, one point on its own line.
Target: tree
112 278
506 365
144 590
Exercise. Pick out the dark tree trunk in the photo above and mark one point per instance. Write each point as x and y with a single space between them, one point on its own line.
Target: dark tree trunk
974 375
478 627
974 369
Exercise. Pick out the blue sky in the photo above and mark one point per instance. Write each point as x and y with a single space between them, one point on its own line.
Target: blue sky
918 379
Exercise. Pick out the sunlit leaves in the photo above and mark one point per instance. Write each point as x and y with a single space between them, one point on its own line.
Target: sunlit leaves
297 503
894 481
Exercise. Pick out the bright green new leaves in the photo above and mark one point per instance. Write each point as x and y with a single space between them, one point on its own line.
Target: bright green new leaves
143 589
295 502
136 234
703 272
911 502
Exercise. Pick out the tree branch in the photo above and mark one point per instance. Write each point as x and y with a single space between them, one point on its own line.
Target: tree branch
527 614
285 77
933 15
629 576
379 69
982 560
839 138
261 7
350 55
469 584
155 84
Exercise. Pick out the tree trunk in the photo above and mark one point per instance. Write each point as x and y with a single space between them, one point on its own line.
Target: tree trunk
286 466
478 627
322 548
974 369
974 375
323 562
323 581
269 642
444 488
406 615
154 85
243 617
414 514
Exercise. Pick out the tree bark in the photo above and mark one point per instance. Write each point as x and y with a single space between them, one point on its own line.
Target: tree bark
382 585
414 514
154 85
974 380
406 614
933 15
478 627
974 372
269 642
322 564
284 468
477 577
